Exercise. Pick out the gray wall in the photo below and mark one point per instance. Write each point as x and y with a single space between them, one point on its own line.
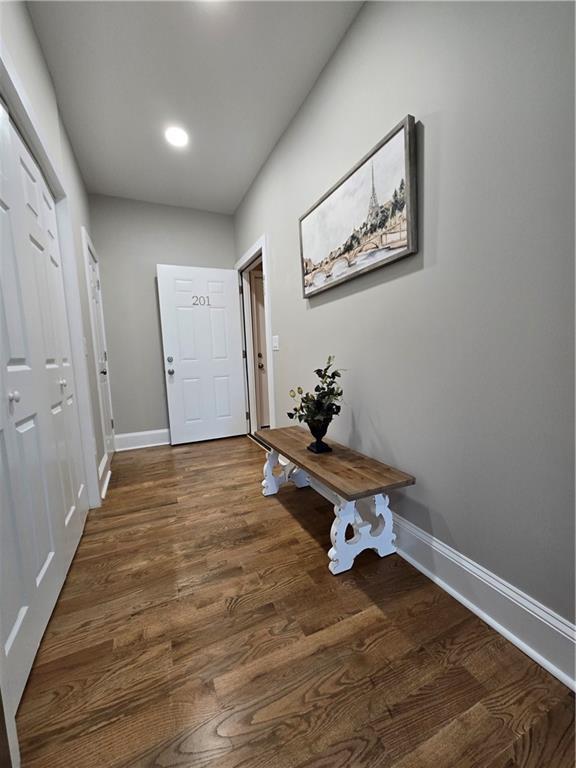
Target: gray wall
460 359
131 238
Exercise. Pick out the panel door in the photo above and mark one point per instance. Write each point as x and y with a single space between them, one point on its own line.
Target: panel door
61 383
63 442
43 498
100 349
202 340
259 346
29 533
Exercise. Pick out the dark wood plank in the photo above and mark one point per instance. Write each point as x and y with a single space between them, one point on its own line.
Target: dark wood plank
346 472
199 626
549 743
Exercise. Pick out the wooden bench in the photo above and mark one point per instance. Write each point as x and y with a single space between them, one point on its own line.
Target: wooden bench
354 483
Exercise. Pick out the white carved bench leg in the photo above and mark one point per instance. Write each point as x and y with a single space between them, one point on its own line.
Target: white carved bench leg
372 530
297 476
343 552
271 483
382 533
290 473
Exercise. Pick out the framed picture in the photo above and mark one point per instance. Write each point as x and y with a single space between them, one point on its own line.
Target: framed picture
367 219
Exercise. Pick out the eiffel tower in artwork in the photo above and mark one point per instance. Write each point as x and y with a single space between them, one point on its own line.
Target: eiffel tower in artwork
373 207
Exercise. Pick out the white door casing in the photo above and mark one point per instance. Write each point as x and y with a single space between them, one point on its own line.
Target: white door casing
100 357
256 254
202 344
43 498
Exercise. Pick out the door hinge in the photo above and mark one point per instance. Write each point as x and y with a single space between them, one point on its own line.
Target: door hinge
105 356
244 354
98 284
247 415
241 289
112 423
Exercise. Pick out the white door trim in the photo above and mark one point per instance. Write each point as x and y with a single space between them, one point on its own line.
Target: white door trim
77 341
259 249
89 252
25 118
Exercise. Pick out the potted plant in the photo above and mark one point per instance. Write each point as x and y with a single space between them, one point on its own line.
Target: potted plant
318 408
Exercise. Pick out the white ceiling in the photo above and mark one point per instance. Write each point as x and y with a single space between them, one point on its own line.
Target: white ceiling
232 73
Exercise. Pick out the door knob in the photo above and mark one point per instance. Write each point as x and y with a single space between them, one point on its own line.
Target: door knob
104 372
170 359
170 371
14 397
260 365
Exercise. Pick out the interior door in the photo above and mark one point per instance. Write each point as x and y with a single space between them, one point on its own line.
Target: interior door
42 496
202 340
100 351
59 379
28 533
259 346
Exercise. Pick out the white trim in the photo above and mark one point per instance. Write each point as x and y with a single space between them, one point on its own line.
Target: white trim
248 338
89 252
78 344
104 487
539 632
259 249
102 466
130 441
251 254
104 473
23 113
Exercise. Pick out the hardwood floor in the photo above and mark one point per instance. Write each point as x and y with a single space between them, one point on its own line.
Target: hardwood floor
200 626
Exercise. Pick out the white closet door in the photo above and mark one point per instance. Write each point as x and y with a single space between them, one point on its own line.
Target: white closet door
38 481
59 377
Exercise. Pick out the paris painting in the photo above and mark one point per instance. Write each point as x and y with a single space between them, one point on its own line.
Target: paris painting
367 219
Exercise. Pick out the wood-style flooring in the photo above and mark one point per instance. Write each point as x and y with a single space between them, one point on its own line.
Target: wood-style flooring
200 626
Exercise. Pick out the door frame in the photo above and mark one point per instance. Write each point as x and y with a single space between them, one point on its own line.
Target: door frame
79 352
89 252
24 117
257 251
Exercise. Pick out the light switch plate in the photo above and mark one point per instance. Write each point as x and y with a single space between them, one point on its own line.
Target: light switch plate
276 343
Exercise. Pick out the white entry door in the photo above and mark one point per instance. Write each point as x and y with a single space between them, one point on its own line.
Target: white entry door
43 498
202 340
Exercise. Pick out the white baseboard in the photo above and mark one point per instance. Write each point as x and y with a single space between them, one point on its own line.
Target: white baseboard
104 474
104 484
540 633
102 466
129 441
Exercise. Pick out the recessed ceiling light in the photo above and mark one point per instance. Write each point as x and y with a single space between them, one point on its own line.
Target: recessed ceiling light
176 136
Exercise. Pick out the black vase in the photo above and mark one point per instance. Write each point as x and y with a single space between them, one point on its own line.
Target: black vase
319 429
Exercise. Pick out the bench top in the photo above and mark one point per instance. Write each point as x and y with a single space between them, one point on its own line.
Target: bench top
346 472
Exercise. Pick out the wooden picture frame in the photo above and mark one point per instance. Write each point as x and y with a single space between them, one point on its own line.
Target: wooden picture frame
349 231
